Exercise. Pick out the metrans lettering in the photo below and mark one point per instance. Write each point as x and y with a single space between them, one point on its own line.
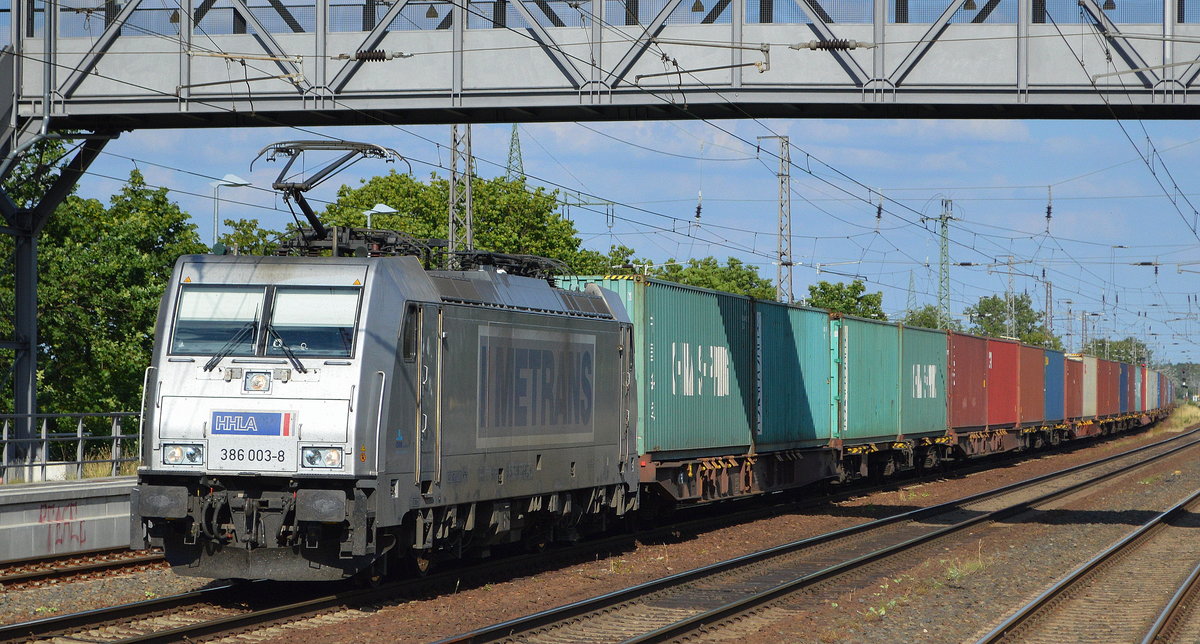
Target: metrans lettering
535 381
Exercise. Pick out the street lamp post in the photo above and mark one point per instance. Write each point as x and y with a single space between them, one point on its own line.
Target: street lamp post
228 181
378 209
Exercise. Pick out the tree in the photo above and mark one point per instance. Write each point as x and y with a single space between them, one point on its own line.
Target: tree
248 238
509 216
927 317
618 261
35 172
990 317
1131 350
731 277
103 272
851 299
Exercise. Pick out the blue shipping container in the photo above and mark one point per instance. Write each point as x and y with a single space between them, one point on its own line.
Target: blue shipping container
1124 388
1055 387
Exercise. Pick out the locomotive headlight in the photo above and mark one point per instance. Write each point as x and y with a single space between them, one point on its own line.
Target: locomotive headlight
327 457
173 454
257 381
194 454
183 454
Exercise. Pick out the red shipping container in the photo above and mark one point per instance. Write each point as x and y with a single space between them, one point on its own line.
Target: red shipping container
1115 387
1003 383
1033 385
1108 382
968 381
1073 388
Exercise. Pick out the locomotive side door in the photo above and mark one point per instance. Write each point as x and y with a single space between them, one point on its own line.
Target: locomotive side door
429 398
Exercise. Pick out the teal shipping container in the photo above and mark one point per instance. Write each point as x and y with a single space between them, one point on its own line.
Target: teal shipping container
795 406
869 379
1138 403
892 380
694 354
923 390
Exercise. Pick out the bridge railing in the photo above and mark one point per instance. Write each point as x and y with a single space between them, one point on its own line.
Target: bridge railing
68 446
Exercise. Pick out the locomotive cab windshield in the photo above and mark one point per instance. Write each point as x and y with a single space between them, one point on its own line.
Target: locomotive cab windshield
316 321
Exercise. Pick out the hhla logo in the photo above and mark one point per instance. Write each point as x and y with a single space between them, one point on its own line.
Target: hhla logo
255 423
235 423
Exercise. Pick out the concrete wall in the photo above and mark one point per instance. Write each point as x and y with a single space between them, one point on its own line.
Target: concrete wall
42 519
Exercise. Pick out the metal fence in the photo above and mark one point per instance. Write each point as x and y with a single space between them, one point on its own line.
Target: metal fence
68 446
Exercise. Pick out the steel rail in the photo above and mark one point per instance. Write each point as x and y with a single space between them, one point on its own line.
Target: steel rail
512 628
1169 613
95 566
60 624
1033 608
25 561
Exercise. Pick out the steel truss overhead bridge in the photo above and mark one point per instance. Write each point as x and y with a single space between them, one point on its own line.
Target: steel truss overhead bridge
89 69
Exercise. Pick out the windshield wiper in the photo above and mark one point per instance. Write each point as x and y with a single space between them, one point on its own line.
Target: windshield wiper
229 346
287 351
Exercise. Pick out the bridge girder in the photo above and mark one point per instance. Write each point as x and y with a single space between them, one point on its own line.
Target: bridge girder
304 62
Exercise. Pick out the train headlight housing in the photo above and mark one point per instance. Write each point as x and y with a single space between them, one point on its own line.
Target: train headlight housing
183 454
324 457
257 382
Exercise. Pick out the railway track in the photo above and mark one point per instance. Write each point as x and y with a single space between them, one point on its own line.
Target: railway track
232 608
81 565
728 595
1179 620
1119 595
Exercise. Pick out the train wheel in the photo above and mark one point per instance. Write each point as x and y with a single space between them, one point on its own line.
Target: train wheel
372 577
929 460
421 562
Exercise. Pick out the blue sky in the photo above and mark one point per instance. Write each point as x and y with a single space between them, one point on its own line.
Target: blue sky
1109 211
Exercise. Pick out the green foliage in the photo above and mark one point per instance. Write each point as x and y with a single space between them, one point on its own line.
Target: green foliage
510 217
248 238
732 277
990 317
35 172
851 299
618 261
1129 350
102 274
927 317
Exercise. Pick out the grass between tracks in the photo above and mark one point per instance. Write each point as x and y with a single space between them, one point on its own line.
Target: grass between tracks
1182 418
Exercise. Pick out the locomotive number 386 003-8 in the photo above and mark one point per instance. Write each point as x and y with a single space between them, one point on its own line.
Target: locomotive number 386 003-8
252 455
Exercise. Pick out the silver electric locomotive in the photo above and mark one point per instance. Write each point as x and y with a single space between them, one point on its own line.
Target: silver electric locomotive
310 418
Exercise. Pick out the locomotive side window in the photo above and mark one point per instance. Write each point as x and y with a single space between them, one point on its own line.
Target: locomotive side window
313 320
209 319
411 322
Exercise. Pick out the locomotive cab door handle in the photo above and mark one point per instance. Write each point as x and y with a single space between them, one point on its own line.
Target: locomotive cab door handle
425 374
424 423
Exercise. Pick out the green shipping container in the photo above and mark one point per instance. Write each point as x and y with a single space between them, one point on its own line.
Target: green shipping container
869 381
695 365
923 391
795 407
893 380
